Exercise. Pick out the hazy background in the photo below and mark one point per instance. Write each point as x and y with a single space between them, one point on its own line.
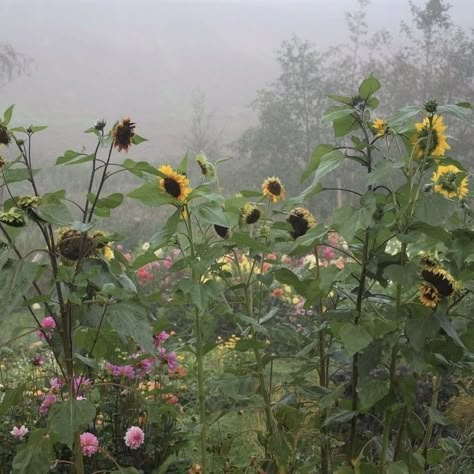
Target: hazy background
110 58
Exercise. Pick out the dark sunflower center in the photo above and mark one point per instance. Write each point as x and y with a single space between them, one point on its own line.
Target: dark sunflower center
172 187
125 133
442 284
253 216
274 187
300 225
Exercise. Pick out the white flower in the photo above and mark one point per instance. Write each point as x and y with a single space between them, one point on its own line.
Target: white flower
158 252
19 433
146 246
36 306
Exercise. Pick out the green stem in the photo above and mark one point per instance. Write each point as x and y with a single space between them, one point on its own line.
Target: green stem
434 404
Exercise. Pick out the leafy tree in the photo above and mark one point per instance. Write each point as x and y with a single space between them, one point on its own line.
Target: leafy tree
12 63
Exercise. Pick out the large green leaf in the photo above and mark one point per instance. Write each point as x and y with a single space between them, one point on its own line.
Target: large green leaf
354 338
16 278
66 418
130 320
369 87
36 455
212 213
318 153
371 390
12 397
420 327
150 194
434 209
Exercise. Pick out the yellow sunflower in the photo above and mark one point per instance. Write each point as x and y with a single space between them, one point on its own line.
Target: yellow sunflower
273 189
174 183
379 127
301 220
429 296
435 127
250 213
449 182
440 279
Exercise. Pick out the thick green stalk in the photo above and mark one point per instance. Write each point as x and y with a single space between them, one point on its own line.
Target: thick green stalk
434 404
323 380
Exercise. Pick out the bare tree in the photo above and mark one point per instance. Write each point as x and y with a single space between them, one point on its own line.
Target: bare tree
12 63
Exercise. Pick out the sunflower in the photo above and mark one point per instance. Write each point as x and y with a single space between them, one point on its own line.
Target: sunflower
74 245
5 137
123 134
450 181
25 202
14 217
441 280
174 183
250 213
301 220
273 189
379 127
435 127
206 168
429 296
221 231
102 245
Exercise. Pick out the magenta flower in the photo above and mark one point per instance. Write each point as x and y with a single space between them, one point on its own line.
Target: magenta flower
134 437
158 339
20 432
47 402
120 370
89 444
80 383
167 358
56 384
48 324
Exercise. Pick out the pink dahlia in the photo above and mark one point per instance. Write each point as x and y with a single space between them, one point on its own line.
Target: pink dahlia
134 437
48 324
20 432
89 444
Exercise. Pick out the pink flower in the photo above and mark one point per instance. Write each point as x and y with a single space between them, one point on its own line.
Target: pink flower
48 324
89 444
121 370
167 358
55 384
158 339
134 437
167 263
120 247
80 383
20 432
47 402
329 253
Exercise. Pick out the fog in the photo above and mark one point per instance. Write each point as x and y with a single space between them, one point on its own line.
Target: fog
143 58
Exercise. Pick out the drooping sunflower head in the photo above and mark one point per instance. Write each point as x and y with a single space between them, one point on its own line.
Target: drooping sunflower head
379 127
441 280
28 202
250 213
3 162
430 137
301 220
221 231
450 181
206 168
14 217
74 245
174 183
429 296
5 137
273 189
123 134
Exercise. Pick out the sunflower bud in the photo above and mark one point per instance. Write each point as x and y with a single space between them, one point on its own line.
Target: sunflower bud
14 217
2 162
431 106
26 202
100 125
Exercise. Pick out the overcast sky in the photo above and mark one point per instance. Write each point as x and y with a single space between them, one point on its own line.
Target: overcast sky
109 58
